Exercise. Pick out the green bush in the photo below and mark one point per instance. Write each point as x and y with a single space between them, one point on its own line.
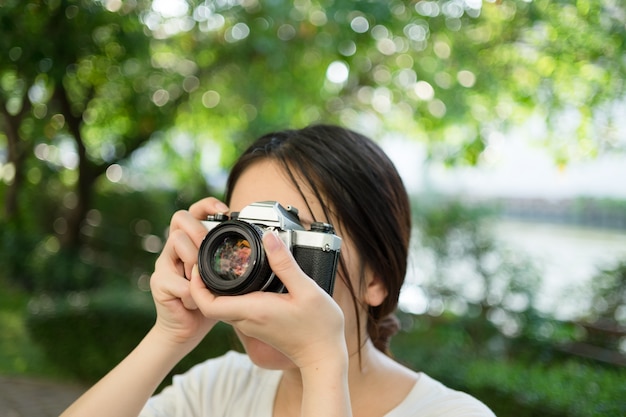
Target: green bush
466 269
572 388
88 334
120 239
522 384
16 246
608 291
18 354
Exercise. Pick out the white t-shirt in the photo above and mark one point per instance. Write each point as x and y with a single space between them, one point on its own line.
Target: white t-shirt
232 386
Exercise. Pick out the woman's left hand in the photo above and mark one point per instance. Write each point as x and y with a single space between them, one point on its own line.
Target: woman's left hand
305 323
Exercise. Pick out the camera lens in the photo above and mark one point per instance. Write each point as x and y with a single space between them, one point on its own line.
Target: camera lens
232 261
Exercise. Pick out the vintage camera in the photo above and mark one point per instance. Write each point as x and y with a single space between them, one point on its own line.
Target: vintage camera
232 260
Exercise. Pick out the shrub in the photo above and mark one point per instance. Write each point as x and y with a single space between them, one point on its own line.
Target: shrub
520 384
120 239
88 334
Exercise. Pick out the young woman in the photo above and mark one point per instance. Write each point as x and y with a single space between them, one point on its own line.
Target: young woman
307 353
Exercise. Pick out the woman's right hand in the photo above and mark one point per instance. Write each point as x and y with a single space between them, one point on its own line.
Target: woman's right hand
179 326
178 317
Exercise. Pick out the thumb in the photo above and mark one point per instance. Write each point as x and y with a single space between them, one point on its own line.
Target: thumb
283 263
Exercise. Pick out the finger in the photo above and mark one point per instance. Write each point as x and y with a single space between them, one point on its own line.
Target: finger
198 290
224 307
179 254
169 287
283 264
187 222
187 299
210 205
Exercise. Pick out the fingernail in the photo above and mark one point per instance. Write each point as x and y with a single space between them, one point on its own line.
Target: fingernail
221 207
271 241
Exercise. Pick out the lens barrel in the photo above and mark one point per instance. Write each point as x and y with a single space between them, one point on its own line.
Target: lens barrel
232 261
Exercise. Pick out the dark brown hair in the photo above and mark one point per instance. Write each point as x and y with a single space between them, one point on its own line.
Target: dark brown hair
361 192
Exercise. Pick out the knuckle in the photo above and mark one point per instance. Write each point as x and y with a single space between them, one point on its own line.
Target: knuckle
158 263
178 216
176 235
184 292
204 206
154 281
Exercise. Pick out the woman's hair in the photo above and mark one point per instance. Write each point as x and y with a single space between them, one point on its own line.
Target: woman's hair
361 192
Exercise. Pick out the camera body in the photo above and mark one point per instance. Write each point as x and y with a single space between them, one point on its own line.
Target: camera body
232 260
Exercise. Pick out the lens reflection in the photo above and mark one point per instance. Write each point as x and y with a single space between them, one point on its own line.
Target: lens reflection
232 258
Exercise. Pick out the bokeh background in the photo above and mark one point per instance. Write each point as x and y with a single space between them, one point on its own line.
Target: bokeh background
505 119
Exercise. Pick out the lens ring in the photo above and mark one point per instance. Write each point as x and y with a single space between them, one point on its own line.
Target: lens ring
226 243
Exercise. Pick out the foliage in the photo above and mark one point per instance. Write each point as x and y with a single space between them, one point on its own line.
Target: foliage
91 90
466 271
76 98
494 343
19 355
95 341
470 271
466 353
608 290
123 232
531 385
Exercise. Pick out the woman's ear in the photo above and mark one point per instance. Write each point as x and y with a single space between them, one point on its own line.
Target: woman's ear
375 291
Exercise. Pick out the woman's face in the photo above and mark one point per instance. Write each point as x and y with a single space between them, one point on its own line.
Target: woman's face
266 180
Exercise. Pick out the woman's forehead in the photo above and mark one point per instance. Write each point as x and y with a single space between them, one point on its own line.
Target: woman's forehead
267 180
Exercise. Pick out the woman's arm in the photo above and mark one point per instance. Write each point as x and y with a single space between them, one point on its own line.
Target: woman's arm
126 388
179 325
325 388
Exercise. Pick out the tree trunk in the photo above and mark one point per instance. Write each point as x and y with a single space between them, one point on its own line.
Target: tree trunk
88 172
74 216
17 151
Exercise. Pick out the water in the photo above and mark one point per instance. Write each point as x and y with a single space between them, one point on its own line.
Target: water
569 257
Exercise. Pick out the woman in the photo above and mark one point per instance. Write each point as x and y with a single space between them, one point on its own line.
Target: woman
307 353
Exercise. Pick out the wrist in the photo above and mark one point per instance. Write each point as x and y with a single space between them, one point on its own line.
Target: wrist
325 386
332 363
173 344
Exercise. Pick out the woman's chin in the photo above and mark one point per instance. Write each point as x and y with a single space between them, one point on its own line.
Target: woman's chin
264 355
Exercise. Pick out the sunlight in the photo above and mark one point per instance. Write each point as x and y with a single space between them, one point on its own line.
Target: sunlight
170 8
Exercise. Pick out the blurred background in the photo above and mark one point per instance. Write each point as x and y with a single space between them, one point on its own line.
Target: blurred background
503 117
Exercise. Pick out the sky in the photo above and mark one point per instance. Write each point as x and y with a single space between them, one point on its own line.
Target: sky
515 168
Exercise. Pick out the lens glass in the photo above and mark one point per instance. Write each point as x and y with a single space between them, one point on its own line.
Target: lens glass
231 258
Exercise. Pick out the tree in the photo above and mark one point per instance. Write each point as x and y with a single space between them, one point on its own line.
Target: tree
80 77
87 85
